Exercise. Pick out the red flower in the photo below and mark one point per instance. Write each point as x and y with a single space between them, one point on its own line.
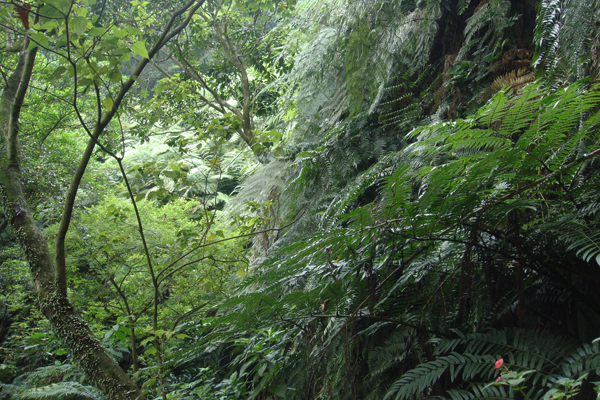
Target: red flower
499 363
499 379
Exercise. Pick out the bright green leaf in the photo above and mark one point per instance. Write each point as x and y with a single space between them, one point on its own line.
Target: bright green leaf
121 33
133 31
139 48
51 11
120 335
48 26
82 11
108 103
150 351
97 31
182 336
40 40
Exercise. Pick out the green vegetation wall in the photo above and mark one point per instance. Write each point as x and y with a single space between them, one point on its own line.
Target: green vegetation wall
324 200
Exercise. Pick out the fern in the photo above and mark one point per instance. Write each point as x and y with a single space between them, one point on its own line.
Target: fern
51 373
42 384
479 392
420 379
455 225
566 36
60 391
545 354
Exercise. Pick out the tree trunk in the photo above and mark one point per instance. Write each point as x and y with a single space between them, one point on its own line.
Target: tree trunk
70 327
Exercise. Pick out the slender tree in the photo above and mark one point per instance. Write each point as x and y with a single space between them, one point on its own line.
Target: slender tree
50 275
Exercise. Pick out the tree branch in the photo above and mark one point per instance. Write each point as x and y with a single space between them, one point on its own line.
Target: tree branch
59 245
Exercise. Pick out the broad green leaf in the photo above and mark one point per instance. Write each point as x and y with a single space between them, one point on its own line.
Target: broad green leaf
58 72
84 81
121 33
61 5
108 103
150 351
133 31
79 24
116 77
97 31
139 48
48 26
51 11
38 39
82 11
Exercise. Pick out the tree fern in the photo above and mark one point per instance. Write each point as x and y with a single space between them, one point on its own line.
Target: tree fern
455 225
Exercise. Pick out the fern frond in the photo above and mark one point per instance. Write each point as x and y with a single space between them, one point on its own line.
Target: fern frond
419 379
565 36
57 391
583 360
478 391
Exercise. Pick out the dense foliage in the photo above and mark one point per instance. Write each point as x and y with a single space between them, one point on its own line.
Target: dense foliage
340 199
